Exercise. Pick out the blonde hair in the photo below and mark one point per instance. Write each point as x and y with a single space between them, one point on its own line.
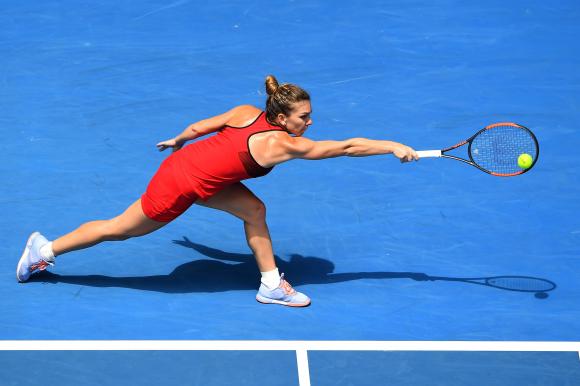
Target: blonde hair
281 98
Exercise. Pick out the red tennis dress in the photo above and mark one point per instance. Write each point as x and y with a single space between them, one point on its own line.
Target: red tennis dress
203 168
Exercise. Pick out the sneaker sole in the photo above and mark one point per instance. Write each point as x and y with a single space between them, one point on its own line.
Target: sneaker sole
264 300
25 254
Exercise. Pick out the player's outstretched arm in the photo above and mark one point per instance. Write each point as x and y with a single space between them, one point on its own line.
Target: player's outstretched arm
199 129
287 147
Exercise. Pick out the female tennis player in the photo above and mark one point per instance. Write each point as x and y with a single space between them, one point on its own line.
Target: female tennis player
248 144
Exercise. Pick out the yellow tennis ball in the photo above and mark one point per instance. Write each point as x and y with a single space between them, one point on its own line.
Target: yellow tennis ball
525 161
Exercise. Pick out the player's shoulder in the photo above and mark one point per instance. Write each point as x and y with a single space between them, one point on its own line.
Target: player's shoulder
287 143
278 136
273 139
246 109
242 115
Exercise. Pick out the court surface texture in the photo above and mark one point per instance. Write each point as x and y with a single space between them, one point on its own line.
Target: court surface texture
383 249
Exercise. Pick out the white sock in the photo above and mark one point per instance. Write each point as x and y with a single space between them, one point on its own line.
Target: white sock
271 279
46 252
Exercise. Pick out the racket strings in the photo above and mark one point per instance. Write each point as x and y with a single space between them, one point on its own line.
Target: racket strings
497 149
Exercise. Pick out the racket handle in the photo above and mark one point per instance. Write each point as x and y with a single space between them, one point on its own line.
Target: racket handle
429 153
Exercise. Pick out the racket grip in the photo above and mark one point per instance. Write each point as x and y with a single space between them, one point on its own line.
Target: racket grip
429 153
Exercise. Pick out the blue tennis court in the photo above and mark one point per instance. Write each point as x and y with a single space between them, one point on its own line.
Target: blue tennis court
66 368
384 249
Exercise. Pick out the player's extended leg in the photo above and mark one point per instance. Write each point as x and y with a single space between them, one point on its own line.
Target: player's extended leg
242 203
131 223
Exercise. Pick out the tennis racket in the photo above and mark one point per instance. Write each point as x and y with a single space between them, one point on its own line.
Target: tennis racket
495 149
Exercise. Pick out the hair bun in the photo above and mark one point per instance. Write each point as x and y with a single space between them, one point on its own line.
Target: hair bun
271 84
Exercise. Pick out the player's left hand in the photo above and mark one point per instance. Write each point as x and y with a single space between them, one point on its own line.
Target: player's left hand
170 143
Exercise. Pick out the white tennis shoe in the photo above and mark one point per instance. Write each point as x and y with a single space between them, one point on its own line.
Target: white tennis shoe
284 294
31 262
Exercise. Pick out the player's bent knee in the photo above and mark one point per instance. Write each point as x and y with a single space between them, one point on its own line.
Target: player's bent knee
256 213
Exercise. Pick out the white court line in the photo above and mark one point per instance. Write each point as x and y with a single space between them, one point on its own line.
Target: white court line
303 371
284 345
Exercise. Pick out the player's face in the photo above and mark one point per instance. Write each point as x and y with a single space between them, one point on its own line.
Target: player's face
299 119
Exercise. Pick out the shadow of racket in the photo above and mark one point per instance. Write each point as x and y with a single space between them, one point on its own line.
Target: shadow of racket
535 285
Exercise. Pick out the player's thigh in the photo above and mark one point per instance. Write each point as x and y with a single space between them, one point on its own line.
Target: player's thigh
133 222
238 200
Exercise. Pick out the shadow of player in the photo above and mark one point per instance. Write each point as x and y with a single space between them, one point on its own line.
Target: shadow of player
226 271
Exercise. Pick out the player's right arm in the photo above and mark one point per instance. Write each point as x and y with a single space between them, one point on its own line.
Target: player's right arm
284 147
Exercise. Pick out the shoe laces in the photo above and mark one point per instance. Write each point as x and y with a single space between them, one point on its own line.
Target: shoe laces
41 265
286 286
